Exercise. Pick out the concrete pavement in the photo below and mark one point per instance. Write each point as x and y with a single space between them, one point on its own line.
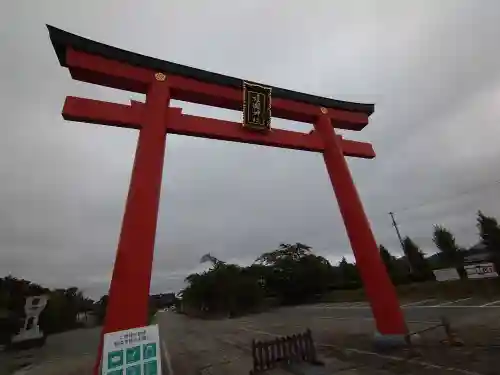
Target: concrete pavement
66 353
343 332
223 347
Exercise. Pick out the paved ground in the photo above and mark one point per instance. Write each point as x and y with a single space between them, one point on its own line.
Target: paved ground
69 352
343 333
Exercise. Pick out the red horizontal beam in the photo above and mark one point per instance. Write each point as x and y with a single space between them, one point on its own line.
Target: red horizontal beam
230 131
99 70
357 149
129 116
190 90
99 112
196 126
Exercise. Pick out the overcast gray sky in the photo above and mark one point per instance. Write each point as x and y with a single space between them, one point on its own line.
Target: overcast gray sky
432 69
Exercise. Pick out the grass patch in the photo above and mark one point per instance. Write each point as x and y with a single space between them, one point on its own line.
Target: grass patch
445 290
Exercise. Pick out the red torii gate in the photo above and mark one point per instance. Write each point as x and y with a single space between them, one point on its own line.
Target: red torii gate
100 64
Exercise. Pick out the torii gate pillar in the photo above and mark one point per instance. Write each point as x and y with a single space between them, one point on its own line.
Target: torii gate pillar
377 284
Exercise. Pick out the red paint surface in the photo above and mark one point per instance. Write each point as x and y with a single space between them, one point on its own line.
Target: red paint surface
98 70
98 112
378 287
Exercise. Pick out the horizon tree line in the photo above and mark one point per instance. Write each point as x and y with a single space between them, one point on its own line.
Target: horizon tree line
290 274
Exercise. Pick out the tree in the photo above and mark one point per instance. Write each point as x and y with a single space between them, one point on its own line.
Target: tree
295 274
100 308
420 268
285 251
348 275
388 259
60 313
393 265
210 258
291 274
451 253
489 232
224 288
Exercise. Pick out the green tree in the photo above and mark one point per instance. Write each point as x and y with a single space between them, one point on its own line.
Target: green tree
348 273
388 259
489 232
285 251
59 315
451 253
295 274
420 268
395 268
100 308
224 288
210 258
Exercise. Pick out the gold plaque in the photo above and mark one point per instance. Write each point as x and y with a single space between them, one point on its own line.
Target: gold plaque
256 107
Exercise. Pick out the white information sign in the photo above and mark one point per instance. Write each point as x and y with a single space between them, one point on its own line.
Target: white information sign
481 270
132 352
446 274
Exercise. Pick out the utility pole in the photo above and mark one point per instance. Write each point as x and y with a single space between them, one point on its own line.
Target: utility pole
397 230
395 224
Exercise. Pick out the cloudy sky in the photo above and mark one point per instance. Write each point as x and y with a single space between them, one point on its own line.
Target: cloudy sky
432 69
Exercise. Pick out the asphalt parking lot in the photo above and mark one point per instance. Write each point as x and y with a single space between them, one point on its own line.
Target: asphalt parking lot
461 311
67 353
343 333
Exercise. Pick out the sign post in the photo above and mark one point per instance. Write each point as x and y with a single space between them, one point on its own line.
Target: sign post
133 351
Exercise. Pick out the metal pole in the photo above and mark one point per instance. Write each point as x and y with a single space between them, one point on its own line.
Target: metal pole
400 240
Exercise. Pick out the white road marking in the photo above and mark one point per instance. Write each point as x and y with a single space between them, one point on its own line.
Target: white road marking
258 331
166 355
401 359
372 318
454 307
453 302
407 306
345 318
336 306
25 371
416 303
